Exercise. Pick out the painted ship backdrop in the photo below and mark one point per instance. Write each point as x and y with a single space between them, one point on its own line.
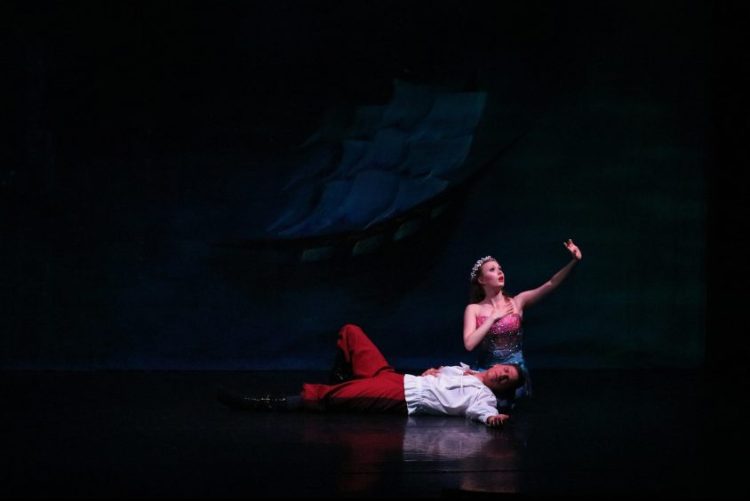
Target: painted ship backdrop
222 188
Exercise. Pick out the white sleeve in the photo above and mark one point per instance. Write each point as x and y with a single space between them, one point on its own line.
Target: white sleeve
482 407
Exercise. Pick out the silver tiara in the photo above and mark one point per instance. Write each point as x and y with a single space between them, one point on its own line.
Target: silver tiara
478 265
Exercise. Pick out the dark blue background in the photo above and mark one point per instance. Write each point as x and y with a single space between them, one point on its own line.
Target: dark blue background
147 133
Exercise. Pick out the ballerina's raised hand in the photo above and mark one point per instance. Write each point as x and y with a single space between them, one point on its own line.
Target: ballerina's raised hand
573 249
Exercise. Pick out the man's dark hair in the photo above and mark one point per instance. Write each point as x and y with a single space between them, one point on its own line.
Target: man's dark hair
509 394
521 376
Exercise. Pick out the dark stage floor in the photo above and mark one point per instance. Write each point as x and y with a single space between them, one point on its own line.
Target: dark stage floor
163 434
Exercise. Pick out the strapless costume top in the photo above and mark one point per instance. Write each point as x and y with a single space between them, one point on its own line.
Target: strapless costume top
503 343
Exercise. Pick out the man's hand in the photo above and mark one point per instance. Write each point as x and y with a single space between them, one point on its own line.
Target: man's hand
497 421
432 372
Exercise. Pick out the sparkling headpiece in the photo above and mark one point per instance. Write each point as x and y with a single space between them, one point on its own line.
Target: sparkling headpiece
478 265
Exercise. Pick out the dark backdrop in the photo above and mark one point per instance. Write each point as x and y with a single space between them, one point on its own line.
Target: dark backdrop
145 134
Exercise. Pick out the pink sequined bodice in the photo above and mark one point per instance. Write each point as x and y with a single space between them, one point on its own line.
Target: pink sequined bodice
503 325
503 342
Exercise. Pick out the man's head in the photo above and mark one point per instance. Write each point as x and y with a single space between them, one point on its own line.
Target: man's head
502 378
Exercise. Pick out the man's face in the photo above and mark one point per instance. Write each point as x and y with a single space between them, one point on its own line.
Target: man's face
500 377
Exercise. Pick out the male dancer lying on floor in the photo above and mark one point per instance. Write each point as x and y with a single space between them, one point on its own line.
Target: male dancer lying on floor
365 382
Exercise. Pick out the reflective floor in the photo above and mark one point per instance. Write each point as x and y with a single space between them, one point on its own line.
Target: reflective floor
163 434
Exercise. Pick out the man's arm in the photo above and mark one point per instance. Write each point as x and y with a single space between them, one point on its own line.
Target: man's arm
483 408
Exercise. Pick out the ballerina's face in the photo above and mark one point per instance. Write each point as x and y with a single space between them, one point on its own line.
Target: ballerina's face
492 275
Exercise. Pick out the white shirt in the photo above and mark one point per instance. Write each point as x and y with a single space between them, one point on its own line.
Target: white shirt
450 392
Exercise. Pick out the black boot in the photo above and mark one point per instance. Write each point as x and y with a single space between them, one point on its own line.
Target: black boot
341 370
265 402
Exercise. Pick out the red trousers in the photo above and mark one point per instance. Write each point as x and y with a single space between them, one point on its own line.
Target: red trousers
375 387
